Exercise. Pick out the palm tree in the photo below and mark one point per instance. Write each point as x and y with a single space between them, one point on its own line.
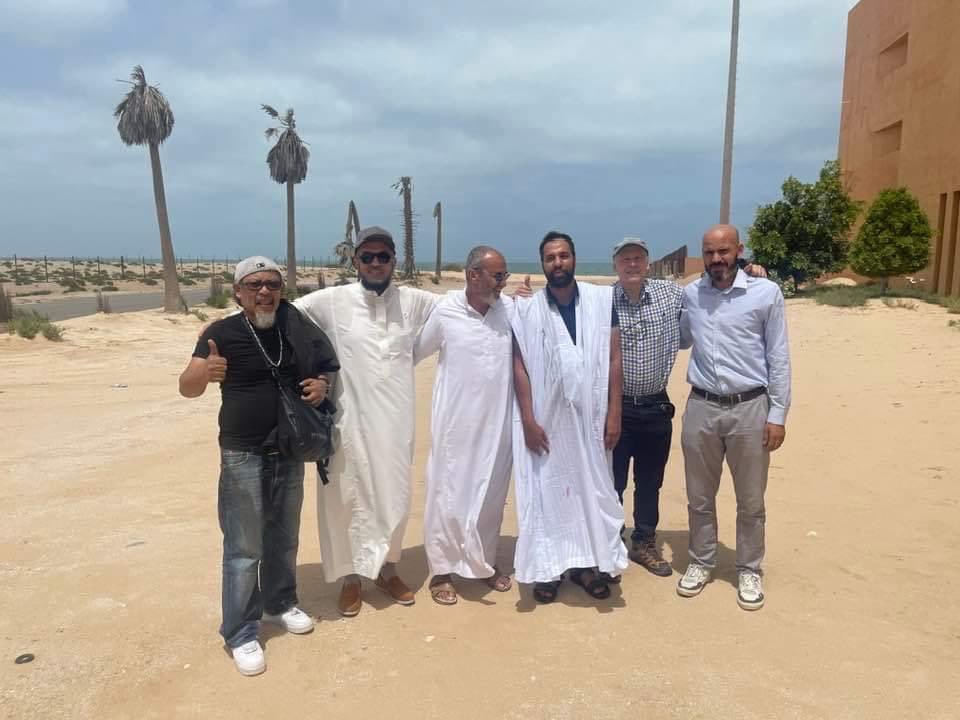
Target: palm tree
288 160
438 214
404 188
144 118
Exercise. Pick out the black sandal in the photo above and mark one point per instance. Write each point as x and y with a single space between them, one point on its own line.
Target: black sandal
597 588
546 592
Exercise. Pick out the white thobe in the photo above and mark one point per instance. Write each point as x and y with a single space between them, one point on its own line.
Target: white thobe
362 513
568 512
468 471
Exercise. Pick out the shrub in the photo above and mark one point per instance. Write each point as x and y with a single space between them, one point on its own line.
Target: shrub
52 332
199 315
844 296
28 324
453 267
221 300
150 281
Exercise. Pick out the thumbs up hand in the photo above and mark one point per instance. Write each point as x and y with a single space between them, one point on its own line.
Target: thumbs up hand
523 290
216 364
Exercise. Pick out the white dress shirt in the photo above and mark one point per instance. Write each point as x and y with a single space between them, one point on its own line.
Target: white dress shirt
739 339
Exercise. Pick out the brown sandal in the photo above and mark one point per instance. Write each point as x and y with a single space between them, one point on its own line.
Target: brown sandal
499 581
442 590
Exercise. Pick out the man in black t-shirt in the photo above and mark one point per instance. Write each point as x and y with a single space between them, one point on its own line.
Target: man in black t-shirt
260 492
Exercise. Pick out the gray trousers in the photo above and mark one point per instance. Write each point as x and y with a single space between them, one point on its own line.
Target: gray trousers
711 432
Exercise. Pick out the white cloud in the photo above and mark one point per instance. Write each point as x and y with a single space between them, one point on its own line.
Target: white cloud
49 21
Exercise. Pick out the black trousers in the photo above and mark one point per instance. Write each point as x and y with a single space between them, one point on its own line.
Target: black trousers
644 438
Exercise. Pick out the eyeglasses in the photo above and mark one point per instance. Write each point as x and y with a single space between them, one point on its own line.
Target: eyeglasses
382 257
500 277
257 285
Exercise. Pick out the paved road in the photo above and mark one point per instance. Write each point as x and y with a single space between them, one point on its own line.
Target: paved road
65 308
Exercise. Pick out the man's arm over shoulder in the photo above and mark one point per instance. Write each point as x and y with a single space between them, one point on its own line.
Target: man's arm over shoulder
778 357
686 333
431 337
316 304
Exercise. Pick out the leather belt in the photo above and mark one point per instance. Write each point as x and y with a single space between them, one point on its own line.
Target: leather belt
729 400
652 399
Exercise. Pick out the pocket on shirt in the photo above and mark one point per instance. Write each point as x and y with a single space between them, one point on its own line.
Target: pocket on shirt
400 343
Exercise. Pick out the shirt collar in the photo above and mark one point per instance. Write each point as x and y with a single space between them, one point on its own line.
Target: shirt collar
553 301
645 296
739 281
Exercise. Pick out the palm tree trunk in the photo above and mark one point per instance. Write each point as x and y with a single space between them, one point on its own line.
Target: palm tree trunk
884 281
408 262
291 241
171 284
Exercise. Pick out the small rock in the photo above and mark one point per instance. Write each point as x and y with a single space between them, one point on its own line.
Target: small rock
812 533
187 666
429 638
119 385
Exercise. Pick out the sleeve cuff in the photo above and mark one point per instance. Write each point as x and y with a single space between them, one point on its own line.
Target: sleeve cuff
777 415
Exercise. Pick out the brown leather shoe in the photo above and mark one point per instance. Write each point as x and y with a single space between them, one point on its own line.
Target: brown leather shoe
349 603
396 589
645 554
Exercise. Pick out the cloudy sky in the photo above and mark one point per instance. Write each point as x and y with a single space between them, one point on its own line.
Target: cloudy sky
600 119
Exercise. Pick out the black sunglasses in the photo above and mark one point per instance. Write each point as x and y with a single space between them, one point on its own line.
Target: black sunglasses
256 285
383 257
500 277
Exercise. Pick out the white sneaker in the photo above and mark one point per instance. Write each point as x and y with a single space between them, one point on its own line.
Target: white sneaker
293 620
693 580
249 658
749 591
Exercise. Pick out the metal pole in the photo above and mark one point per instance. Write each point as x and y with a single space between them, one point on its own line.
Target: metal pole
725 181
46 276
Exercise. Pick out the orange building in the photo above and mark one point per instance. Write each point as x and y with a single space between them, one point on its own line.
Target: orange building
900 117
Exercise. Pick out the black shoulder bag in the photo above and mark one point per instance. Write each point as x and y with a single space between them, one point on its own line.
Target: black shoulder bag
303 432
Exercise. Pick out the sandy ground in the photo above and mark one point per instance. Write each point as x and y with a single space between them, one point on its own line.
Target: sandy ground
110 551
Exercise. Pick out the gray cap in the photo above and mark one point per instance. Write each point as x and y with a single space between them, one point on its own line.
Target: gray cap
255 264
375 232
628 242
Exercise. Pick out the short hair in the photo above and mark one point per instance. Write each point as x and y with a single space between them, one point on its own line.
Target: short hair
475 257
554 235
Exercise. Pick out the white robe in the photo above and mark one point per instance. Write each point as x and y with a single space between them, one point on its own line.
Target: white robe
468 471
362 513
568 511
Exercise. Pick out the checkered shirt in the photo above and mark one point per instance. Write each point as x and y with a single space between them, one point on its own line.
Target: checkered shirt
649 335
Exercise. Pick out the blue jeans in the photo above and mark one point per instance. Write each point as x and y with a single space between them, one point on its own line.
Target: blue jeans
259 503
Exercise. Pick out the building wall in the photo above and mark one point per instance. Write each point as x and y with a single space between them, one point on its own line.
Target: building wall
900 116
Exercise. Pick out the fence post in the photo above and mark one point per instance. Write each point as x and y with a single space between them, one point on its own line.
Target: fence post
143 265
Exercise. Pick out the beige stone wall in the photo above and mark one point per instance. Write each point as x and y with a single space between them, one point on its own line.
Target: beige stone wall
900 115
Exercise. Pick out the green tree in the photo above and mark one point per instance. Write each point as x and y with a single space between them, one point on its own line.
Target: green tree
288 160
144 117
806 234
894 238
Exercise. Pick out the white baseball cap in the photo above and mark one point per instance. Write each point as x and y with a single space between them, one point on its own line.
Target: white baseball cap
628 242
255 264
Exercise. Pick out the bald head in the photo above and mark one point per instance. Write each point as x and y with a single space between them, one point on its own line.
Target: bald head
726 231
486 271
721 248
